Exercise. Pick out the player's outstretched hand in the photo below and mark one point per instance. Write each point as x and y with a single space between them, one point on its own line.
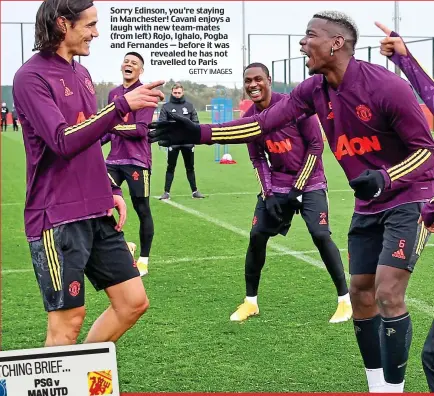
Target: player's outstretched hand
145 96
176 130
121 208
390 44
370 184
273 207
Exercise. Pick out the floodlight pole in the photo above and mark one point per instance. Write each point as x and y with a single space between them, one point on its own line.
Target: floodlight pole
396 29
243 13
22 44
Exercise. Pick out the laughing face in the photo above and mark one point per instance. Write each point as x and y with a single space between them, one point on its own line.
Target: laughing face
317 46
131 68
78 37
257 85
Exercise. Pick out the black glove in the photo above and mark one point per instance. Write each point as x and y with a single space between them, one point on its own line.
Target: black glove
369 185
294 199
273 207
177 130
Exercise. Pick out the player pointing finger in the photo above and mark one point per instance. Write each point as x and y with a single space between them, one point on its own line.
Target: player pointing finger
390 44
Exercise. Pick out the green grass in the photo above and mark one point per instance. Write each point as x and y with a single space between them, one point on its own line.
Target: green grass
185 342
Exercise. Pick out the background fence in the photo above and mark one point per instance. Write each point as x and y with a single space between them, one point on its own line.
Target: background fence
288 72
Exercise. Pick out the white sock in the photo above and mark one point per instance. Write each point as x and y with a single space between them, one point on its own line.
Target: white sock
253 300
393 388
375 379
345 297
143 260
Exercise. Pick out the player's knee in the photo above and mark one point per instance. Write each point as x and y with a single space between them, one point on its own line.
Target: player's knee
388 297
258 239
362 294
362 298
141 207
320 237
136 307
143 210
64 327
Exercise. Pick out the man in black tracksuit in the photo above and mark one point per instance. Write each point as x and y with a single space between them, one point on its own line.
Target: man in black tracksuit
4 114
178 105
14 118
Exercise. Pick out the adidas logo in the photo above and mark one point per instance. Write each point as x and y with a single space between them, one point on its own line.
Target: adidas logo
323 221
399 254
68 92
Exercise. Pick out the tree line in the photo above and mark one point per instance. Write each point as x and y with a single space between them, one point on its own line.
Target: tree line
199 95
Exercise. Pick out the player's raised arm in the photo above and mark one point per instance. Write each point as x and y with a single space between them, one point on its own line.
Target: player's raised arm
394 48
33 97
179 130
408 120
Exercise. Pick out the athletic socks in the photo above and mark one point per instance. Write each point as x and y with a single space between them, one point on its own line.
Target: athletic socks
396 336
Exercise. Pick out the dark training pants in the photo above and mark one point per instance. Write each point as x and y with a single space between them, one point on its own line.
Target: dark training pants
172 158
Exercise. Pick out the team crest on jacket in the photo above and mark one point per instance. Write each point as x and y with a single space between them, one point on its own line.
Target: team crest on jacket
364 112
89 86
184 110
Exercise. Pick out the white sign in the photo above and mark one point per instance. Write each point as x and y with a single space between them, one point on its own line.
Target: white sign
87 369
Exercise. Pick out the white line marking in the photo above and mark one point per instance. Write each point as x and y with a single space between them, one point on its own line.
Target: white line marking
186 195
418 304
175 260
301 255
281 251
16 271
238 193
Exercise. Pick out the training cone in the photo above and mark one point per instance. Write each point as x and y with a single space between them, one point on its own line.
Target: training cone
227 159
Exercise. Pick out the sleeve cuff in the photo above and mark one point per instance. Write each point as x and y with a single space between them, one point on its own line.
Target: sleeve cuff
205 134
396 58
386 177
116 191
